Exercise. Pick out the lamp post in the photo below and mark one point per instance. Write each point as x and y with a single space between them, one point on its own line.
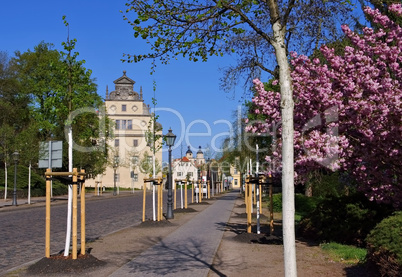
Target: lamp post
115 165
170 139
209 177
15 156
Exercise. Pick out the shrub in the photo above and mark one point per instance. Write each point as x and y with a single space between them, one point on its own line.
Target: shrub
384 246
325 184
303 204
276 201
346 219
38 182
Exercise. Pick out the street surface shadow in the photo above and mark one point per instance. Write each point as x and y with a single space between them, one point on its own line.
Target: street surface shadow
181 259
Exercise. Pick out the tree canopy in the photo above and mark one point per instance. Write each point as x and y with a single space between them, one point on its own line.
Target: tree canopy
347 109
200 29
34 92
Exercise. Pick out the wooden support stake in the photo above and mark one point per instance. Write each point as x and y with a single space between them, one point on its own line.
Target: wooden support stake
199 191
75 173
208 189
82 212
185 194
47 241
161 205
74 238
246 195
260 198
174 194
249 194
192 191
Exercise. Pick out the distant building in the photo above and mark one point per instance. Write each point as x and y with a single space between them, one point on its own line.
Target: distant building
132 119
188 166
237 177
200 160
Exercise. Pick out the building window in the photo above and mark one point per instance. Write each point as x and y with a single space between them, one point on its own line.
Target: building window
116 142
135 142
236 183
179 174
124 124
123 108
134 159
117 124
135 177
129 124
190 174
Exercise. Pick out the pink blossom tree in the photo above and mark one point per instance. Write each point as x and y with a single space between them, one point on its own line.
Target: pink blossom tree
347 113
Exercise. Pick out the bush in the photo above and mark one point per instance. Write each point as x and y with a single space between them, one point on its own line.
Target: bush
38 183
326 184
346 220
303 204
276 202
384 246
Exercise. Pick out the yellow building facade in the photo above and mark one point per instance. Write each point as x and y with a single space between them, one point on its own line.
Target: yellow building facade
129 155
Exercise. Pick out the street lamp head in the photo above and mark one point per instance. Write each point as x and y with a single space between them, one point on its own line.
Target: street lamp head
170 138
16 156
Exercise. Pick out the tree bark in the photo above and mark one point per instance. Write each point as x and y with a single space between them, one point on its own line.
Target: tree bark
288 205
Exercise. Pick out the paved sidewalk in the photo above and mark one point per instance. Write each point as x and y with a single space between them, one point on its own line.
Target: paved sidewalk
188 251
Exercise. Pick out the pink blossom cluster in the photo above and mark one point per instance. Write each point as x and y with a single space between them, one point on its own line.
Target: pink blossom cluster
347 112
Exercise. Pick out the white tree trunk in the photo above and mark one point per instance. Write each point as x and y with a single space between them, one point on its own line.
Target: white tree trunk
153 187
70 192
5 180
288 205
29 183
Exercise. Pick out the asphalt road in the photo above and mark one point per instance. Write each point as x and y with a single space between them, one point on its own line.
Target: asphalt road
22 230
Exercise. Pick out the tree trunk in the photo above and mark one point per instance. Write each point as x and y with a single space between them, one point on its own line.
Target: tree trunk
5 181
288 204
29 183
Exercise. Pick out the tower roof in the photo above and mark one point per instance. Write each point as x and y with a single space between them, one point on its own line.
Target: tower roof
124 89
124 79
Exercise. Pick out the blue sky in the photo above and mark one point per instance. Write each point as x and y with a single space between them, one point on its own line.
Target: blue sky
187 92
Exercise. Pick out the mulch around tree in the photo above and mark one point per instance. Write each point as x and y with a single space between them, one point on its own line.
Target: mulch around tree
151 223
186 210
59 264
258 238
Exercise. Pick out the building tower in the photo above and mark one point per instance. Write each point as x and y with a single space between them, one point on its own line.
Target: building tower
200 156
131 118
189 154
